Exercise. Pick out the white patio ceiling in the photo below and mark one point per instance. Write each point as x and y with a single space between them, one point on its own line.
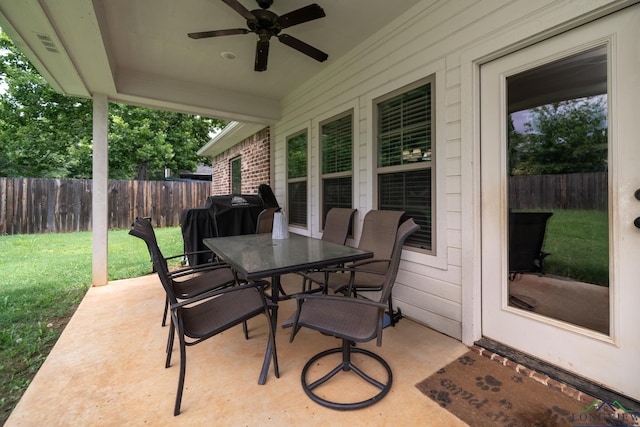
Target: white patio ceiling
138 52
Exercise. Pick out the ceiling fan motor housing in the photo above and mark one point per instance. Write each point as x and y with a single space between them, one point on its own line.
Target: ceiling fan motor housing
265 4
265 20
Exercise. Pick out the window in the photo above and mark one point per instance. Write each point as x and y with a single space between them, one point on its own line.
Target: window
337 146
236 175
297 179
405 129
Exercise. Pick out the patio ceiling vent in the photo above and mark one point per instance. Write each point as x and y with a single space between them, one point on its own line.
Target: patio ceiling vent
47 43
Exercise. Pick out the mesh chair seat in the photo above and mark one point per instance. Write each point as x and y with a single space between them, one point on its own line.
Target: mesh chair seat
340 318
221 313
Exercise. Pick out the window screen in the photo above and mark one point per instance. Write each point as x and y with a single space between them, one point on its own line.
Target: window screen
236 176
404 157
337 148
297 179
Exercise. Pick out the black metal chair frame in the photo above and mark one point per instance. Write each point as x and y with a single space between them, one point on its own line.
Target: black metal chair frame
209 307
178 313
377 267
368 314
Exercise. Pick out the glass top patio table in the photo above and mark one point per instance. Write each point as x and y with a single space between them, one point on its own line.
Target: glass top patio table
256 256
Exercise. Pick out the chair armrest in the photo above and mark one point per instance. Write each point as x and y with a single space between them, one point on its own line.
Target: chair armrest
368 261
187 253
258 285
355 267
302 297
198 269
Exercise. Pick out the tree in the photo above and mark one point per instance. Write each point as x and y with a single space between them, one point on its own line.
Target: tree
44 134
563 137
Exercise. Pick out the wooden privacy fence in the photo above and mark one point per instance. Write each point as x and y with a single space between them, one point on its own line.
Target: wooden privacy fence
582 191
33 205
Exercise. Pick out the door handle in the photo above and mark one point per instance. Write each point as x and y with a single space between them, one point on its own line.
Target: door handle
637 194
636 222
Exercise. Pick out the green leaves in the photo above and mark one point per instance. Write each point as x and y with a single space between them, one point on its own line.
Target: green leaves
44 134
564 137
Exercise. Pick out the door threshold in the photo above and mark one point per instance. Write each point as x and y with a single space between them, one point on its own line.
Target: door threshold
559 375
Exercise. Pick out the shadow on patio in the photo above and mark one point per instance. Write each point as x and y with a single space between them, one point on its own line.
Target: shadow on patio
107 368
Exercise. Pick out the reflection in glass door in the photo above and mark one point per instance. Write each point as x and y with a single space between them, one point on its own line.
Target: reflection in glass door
558 192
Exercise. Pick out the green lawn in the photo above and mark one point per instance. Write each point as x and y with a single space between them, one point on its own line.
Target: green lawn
578 242
43 277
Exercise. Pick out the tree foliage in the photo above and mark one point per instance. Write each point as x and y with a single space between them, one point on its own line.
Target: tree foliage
563 137
44 134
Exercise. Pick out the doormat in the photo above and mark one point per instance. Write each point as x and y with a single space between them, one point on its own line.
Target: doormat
483 392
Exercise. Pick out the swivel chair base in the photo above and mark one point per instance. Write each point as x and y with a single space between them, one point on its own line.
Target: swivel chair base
346 365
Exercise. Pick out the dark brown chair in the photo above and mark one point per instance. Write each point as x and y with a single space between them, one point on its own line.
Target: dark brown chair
526 236
337 225
265 220
336 230
352 320
200 317
378 236
186 282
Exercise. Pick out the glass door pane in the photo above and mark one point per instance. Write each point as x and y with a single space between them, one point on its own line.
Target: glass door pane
558 190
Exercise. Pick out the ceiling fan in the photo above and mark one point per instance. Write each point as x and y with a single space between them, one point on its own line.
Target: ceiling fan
267 24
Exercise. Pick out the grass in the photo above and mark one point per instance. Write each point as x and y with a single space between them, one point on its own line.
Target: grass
578 242
43 278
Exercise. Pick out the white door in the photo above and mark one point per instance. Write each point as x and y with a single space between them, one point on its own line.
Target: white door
595 62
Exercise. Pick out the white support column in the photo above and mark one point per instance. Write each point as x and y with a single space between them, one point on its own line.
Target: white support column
100 214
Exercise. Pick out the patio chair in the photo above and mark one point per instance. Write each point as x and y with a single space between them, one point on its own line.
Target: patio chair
336 229
337 225
265 220
526 237
351 320
378 235
204 315
186 282
268 198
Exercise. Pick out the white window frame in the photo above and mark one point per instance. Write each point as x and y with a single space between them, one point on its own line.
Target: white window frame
410 166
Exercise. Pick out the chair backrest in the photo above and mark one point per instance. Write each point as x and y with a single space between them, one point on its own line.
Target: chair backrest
336 225
265 221
526 236
379 232
143 229
406 229
268 198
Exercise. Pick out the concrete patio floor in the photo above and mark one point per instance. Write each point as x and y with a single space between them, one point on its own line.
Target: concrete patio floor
107 368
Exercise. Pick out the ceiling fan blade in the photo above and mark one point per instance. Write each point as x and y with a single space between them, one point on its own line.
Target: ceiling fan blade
262 54
217 33
298 16
235 5
301 46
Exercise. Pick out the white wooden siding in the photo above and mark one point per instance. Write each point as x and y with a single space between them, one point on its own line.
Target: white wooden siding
436 37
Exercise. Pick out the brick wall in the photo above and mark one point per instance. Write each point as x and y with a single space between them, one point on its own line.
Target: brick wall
255 159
